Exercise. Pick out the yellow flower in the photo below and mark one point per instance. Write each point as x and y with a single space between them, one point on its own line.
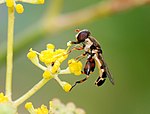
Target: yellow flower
32 55
19 8
53 59
41 1
55 67
42 110
3 99
50 47
46 56
67 87
56 107
75 66
9 3
33 1
47 74
28 105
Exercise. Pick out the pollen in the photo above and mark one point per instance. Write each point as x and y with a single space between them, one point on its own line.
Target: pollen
67 87
19 8
3 99
10 3
47 75
28 105
75 66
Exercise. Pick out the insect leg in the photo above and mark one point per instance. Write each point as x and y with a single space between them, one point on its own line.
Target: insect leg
80 57
89 67
80 81
75 48
72 42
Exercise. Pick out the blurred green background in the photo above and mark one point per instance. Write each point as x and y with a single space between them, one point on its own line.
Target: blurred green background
125 40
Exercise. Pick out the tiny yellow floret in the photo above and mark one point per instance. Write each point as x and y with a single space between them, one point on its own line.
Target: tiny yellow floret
50 46
75 66
28 105
10 3
3 99
55 67
67 87
46 56
42 110
50 104
41 1
63 57
32 54
47 74
19 8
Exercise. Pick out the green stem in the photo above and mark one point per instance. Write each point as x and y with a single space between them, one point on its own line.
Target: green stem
31 92
9 66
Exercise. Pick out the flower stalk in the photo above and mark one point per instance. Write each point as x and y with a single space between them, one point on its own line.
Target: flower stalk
9 65
31 92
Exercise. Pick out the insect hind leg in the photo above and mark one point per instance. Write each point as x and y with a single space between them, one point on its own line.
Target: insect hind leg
80 81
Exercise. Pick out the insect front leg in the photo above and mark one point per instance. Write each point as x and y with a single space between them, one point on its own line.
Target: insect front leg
77 47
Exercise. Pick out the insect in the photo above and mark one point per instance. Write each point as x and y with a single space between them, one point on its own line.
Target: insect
93 52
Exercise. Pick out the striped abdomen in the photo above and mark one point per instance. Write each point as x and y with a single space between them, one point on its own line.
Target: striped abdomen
103 70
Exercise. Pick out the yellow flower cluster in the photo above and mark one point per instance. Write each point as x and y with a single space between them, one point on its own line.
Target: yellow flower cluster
42 110
3 99
49 56
53 58
55 107
19 7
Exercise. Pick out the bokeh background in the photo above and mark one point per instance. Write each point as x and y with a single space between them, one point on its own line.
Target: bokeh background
125 40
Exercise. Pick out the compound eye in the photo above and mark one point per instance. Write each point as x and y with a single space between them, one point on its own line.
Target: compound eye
82 36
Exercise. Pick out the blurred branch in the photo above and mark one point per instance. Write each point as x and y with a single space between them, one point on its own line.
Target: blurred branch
54 22
54 8
99 10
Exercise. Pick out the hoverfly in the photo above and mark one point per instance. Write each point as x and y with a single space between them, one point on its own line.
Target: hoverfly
93 52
